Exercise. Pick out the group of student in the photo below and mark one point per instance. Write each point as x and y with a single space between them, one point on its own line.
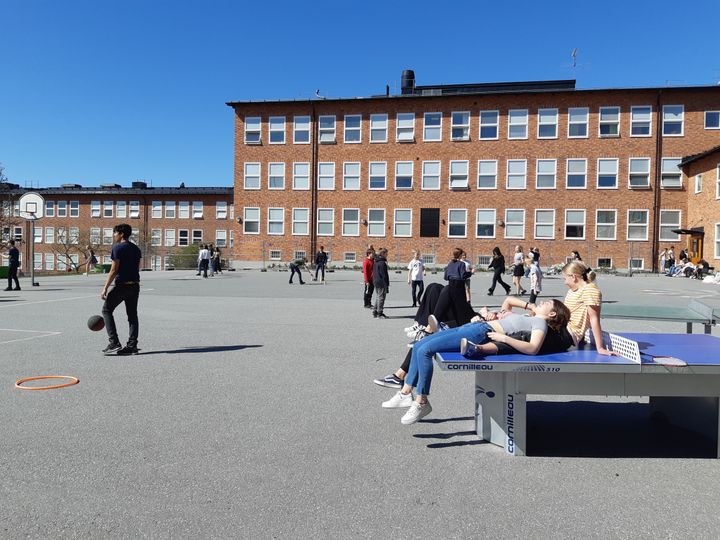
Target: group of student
445 321
682 267
296 265
209 257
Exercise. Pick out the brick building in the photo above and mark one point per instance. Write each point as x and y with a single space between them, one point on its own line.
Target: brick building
163 219
478 165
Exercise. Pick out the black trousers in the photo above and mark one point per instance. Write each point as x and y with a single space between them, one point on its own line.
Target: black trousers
497 278
419 284
12 275
367 295
294 269
118 294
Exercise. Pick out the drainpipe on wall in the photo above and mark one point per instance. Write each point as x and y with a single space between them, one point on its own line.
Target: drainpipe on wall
657 199
313 186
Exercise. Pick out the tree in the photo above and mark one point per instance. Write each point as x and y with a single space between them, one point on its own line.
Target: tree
71 243
9 194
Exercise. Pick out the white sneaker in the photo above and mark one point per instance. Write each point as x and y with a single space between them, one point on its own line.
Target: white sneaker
416 412
412 328
398 401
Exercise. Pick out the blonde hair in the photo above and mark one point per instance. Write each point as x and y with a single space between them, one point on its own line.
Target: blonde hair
579 268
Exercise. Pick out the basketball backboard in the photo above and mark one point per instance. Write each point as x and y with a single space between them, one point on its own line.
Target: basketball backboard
32 205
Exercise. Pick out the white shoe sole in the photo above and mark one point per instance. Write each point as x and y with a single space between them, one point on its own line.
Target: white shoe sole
392 404
407 420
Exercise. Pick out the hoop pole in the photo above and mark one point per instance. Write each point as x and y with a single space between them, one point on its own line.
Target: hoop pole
32 253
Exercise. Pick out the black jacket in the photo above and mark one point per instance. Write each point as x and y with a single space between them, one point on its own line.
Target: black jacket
381 279
497 264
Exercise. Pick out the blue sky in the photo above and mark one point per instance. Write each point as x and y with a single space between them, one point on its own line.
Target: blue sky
95 91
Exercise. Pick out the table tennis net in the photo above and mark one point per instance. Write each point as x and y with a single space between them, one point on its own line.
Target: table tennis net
627 348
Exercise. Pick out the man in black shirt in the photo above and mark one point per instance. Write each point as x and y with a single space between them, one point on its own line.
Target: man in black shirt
125 272
14 263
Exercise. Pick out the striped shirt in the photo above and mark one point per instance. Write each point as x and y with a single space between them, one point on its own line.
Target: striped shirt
578 302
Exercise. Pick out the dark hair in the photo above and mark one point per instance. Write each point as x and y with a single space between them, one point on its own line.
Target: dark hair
11 242
496 252
457 253
562 316
124 229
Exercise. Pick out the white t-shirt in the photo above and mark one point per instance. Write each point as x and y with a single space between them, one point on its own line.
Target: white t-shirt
416 268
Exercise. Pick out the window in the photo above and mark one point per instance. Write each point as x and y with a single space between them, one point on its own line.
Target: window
120 209
75 209
376 222
673 119
325 222
669 220
276 176
251 222
197 209
637 228
432 127
252 130
276 221
156 211
636 264
639 173
717 240
49 261
275 255
232 212
545 224
457 223
378 128
62 208
95 235
578 122
403 174
489 125
277 130
605 224
74 235
670 175
609 123
301 130
607 174
514 223
516 174
169 237
37 261
640 121
197 234
517 124
251 176
107 209
350 257
547 123
351 222
405 127
326 129
183 237
353 128
299 254
50 208
378 175
698 183
403 222
429 222
485 223
351 176
460 126
487 174
221 210
717 182
18 233
574 224
431 175
170 209
38 238
546 173
576 174
156 237
300 221
712 119
458 175
134 209
49 235
184 210
604 262
107 236
326 176
301 176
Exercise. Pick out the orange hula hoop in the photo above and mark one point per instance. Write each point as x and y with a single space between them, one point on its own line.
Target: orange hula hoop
73 381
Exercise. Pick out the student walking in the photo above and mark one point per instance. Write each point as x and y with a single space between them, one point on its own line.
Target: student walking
497 265
204 260
416 272
321 259
125 276
13 265
381 280
535 275
518 270
368 277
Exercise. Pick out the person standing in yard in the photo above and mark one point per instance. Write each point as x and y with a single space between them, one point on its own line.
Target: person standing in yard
416 273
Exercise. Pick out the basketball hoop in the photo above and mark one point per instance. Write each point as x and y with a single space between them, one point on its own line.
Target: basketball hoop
32 206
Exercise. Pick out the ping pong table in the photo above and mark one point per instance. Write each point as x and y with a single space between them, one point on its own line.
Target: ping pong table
694 312
679 372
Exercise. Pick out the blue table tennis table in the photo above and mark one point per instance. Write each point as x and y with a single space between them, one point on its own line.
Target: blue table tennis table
694 312
679 372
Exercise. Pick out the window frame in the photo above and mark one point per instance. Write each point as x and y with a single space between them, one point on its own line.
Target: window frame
402 136
297 176
327 134
586 122
465 126
451 223
602 122
347 176
495 125
568 223
455 177
274 176
352 129
355 223
423 185
664 173
404 223
331 222
541 123
673 237
617 173
538 223
277 129
705 122
538 162
646 225
432 127
375 119
246 166
646 174
246 221
251 133
375 223
511 124
634 121
405 175
272 219
510 223
298 122
667 122
295 220
492 223
509 174
606 224
325 177
371 165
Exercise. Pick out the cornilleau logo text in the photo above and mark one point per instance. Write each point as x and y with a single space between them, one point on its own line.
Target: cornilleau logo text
471 367
510 424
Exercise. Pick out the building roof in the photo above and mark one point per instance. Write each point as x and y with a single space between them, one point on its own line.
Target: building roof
76 189
689 159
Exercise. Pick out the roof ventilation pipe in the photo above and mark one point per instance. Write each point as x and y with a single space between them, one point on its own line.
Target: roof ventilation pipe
407 82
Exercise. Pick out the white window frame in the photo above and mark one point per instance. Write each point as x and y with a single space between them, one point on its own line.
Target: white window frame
326 176
577 223
183 209
551 119
169 238
134 209
426 175
221 238
516 174
459 177
183 237
671 121
544 223
156 210
95 211
568 173
637 225
551 172
639 109
120 209
484 124
327 125
276 129
62 209
599 224
301 173
50 208
663 173
698 183
377 169
517 118
247 220
664 226
378 128
585 122
402 227
301 125
75 208
485 217
638 173
107 212
170 211
408 172
716 255
609 110
253 130
511 225
156 237
49 235
460 120
452 221
62 235
297 221
325 221
197 234
275 216
352 129
597 176
375 227
715 114
197 209
221 210
107 236
350 227
352 179
432 127
487 169
251 176
405 127
276 171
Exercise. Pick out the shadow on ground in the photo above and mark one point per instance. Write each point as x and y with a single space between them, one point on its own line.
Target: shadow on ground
209 349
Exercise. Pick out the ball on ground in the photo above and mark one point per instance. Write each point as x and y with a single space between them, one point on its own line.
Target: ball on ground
96 323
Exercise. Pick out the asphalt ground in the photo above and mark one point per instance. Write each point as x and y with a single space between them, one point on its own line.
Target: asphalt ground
251 413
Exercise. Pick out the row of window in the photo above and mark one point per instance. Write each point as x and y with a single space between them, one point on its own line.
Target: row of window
486 223
131 209
182 237
183 210
488 125
98 236
607 174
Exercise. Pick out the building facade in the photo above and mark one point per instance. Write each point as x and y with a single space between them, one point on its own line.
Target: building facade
537 164
164 220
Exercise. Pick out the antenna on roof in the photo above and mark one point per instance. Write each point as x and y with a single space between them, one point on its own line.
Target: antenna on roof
574 57
317 94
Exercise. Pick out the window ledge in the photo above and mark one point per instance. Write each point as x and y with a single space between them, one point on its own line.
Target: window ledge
251 143
328 142
406 141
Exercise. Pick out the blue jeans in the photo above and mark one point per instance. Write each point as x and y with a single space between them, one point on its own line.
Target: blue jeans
421 363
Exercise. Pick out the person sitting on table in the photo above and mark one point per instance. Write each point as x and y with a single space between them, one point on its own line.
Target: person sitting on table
551 313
